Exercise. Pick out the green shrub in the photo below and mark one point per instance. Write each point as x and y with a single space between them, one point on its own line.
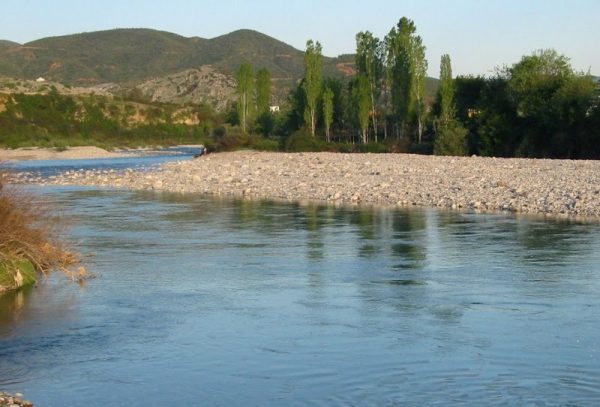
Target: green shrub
230 138
264 144
301 141
451 140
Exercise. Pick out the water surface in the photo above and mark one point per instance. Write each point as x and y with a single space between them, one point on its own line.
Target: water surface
201 301
148 160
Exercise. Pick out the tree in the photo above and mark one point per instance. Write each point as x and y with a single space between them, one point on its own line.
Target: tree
419 73
536 78
369 62
313 78
362 99
451 136
550 102
263 91
328 111
245 90
446 91
400 72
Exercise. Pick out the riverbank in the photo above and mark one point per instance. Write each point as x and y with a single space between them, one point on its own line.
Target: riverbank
557 187
77 153
71 153
8 400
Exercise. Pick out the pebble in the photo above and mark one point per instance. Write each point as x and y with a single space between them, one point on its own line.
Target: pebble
13 400
559 187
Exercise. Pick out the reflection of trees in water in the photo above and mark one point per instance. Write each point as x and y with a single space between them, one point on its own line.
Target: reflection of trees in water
409 244
552 242
504 238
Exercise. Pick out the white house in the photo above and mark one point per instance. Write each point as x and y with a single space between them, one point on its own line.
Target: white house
40 79
274 109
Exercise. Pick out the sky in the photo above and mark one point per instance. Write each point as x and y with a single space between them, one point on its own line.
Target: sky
479 35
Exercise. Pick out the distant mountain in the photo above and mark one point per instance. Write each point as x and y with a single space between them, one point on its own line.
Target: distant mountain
136 55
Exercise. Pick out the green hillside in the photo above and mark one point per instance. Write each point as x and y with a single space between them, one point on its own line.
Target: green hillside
133 55
8 44
106 56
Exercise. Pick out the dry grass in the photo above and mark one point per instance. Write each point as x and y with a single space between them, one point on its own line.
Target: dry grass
30 232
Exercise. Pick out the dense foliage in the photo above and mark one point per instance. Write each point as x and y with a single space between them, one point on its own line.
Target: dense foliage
55 120
538 107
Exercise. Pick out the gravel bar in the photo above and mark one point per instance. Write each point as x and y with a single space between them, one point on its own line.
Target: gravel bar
557 187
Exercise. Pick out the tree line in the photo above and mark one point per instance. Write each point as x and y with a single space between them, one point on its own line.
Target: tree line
538 107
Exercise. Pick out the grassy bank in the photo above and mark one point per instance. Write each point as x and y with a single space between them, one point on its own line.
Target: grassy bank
29 240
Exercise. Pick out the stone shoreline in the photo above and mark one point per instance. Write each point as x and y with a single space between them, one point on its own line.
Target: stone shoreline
10 400
555 187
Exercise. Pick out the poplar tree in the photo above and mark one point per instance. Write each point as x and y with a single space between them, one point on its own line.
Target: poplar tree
450 135
245 90
362 100
446 90
263 91
419 72
327 111
407 69
400 73
369 62
313 80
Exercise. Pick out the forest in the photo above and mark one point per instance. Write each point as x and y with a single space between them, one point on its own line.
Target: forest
537 107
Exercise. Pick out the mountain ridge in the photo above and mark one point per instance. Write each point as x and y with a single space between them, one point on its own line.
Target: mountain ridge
133 55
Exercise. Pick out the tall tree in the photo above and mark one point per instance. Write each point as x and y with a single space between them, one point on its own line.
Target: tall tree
263 91
362 100
400 72
245 91
328 111
313 79
419 73
369 62
446 90
451 136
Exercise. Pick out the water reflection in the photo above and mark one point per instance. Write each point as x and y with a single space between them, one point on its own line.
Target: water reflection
299 302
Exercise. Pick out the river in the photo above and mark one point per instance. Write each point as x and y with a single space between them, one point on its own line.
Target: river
203 301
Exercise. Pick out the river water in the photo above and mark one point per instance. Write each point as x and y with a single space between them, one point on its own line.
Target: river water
201 301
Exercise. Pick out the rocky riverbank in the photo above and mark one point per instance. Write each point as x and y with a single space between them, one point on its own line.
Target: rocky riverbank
557 187
9 400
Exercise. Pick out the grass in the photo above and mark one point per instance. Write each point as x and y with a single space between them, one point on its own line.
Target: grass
29 240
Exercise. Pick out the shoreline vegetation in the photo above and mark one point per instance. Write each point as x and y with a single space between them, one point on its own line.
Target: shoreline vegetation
29 240
563 188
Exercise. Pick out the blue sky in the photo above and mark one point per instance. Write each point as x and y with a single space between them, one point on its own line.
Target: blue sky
479 35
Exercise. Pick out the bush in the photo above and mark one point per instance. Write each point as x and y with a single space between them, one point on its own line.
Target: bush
302 141
230 138
451 140
28 240
263 144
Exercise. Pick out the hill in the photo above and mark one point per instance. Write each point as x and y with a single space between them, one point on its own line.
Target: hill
119 55
135 55
8 44
159 63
